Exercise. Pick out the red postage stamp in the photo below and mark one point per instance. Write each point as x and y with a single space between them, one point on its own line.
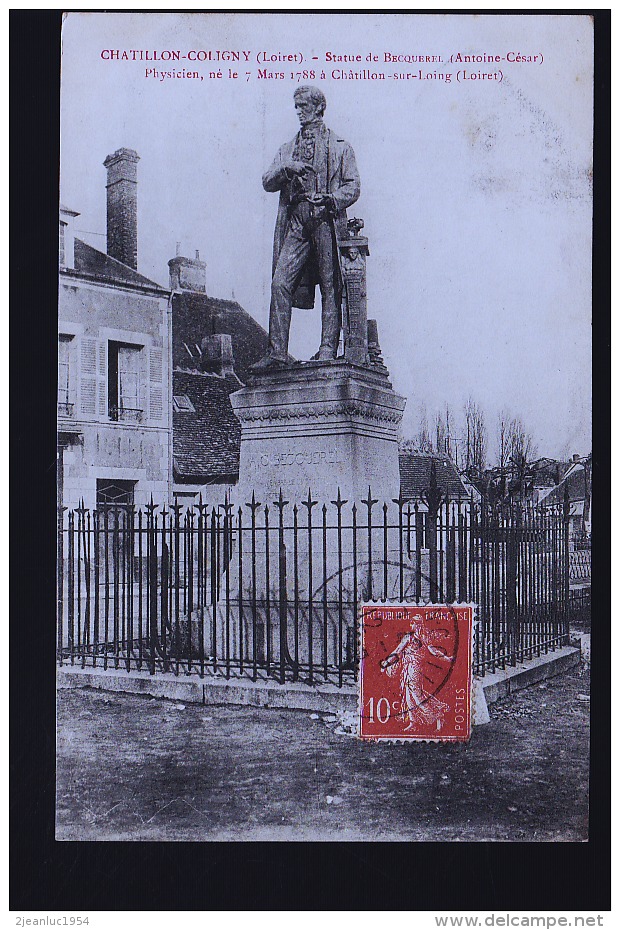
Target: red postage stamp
415 676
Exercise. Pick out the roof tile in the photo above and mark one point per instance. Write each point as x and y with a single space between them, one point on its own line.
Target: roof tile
195 316
206 442
93 262
415 475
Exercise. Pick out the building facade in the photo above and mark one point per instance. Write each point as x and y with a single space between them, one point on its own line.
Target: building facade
114 369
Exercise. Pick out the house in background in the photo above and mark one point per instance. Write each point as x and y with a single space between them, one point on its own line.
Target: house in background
114 419
577 479
545 474
416 476
206 432
214 342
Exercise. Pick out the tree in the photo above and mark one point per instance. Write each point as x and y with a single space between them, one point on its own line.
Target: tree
503 455
444 432
424 441
521 449
476 439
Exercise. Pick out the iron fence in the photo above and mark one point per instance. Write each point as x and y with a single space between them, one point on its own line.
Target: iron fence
580 565
580 606
272 589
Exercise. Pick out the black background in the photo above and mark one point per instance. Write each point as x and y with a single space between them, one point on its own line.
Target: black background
70 876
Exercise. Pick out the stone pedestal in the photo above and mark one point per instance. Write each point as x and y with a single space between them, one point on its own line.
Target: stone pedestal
324 426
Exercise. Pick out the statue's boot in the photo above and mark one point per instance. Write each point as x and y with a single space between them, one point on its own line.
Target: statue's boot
268 363
325 354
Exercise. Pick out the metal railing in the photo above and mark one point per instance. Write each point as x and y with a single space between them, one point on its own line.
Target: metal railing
65 409
581 541
580 605
580 565
125 414
272 589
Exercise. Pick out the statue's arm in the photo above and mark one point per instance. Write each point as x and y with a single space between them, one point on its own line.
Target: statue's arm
348 189
277 174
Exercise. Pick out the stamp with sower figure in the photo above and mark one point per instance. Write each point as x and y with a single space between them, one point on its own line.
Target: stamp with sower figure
415 675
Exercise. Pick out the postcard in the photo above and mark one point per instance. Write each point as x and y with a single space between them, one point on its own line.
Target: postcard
324 427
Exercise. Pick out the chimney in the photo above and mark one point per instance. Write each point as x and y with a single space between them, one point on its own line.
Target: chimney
122 203
217 355
187 274
66 237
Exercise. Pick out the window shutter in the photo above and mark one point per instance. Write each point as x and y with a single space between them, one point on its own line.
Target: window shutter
156 386
102 377
88 377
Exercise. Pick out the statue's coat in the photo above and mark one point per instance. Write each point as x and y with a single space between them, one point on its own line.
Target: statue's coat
344 187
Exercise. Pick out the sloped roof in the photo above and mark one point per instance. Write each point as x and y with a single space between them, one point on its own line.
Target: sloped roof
196 315
415 475
205 443
546 472
576 483
96 264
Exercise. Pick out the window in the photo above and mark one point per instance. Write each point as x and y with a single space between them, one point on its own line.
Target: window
124 370
114 492
183 403
65 376
61 243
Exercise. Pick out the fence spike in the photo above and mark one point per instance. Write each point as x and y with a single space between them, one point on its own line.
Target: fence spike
370 501
281 503
253 504
151 507
339 502
202 507
309 503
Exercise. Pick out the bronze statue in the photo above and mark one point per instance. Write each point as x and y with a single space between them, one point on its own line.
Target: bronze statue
317 177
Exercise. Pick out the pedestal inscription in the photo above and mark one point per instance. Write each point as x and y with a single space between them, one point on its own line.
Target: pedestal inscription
326 427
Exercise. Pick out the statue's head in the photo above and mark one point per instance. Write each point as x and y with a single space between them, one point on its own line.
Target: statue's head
310 103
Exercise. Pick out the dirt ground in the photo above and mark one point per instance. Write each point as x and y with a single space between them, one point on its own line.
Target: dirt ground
136 768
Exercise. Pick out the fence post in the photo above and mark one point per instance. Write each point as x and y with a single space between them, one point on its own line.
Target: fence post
165 571
309 504
566 564
370 502
400 502
339 503
224 567
253 505
60 581
295 593
511 583
419 539
175 582
433 498
152 570
70 586
202 580
282 588
450 553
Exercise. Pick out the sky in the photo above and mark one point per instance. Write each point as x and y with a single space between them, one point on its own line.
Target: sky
476 194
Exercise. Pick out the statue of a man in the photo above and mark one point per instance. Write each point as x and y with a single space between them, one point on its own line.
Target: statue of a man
317 177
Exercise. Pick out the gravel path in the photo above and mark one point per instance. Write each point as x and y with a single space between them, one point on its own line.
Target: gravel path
134 768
